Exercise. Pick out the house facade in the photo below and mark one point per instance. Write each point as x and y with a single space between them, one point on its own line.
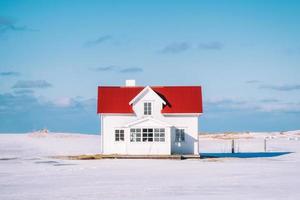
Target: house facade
158 120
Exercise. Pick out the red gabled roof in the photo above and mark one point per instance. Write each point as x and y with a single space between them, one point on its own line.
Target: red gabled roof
179 99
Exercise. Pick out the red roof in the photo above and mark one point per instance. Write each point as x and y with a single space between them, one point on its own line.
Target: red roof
179 99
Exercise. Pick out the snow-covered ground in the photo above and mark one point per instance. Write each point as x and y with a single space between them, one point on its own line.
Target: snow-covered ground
26 171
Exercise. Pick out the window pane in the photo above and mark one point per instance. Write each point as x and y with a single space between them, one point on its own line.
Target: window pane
150 139
122 131
182 136
138 139
150 130
177 137
156 139
162 139
138 130
116 131
144 130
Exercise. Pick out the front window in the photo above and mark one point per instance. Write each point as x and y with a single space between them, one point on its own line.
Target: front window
147 108
119 135
159 134
147 135
135 135
179 135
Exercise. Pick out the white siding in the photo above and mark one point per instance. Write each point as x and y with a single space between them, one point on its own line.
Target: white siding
187 122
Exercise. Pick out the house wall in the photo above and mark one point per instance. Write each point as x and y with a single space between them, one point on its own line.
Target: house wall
187 122
110 146
190 126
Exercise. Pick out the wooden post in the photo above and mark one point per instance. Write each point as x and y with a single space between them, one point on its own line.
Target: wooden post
232 146
265 144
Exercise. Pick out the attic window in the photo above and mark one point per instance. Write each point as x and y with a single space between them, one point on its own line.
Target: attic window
147 108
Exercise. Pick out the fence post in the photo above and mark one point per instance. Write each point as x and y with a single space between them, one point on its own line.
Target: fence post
265 144
232 146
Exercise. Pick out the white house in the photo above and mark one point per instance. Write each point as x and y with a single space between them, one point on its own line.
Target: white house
158 120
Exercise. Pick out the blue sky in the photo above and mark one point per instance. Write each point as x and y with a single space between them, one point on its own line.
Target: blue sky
54 54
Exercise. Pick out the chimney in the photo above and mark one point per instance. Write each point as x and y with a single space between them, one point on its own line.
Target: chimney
130 83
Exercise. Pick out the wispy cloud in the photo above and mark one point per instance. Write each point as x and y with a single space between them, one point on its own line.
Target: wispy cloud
252 81
9 73
131 70
211 46
24 92
281 87
118 69
269 100
62 114
176 47
264 105
32 84
106 69
8 24
98 41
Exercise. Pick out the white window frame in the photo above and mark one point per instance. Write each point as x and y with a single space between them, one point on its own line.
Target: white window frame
146 109
180 135
159 134
135 135
119 135
147 135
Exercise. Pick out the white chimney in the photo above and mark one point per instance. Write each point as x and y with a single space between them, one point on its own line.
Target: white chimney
130 83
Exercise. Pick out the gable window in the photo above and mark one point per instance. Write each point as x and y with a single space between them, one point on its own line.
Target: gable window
119 135
147 108
179 135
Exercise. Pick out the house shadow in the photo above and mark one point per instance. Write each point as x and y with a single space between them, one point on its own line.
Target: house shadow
243 155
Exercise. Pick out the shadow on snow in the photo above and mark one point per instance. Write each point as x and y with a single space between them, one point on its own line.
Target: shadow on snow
243 155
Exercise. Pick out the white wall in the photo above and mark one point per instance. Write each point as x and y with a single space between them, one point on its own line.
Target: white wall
110 146
190 126
189 123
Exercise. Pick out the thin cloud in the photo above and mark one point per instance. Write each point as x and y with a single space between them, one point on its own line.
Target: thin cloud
270 100
211 46
98 41
63 114
24 92
176 47
131 70
106 69
281 87
118 69
9 73
8 24
32 84
252 81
